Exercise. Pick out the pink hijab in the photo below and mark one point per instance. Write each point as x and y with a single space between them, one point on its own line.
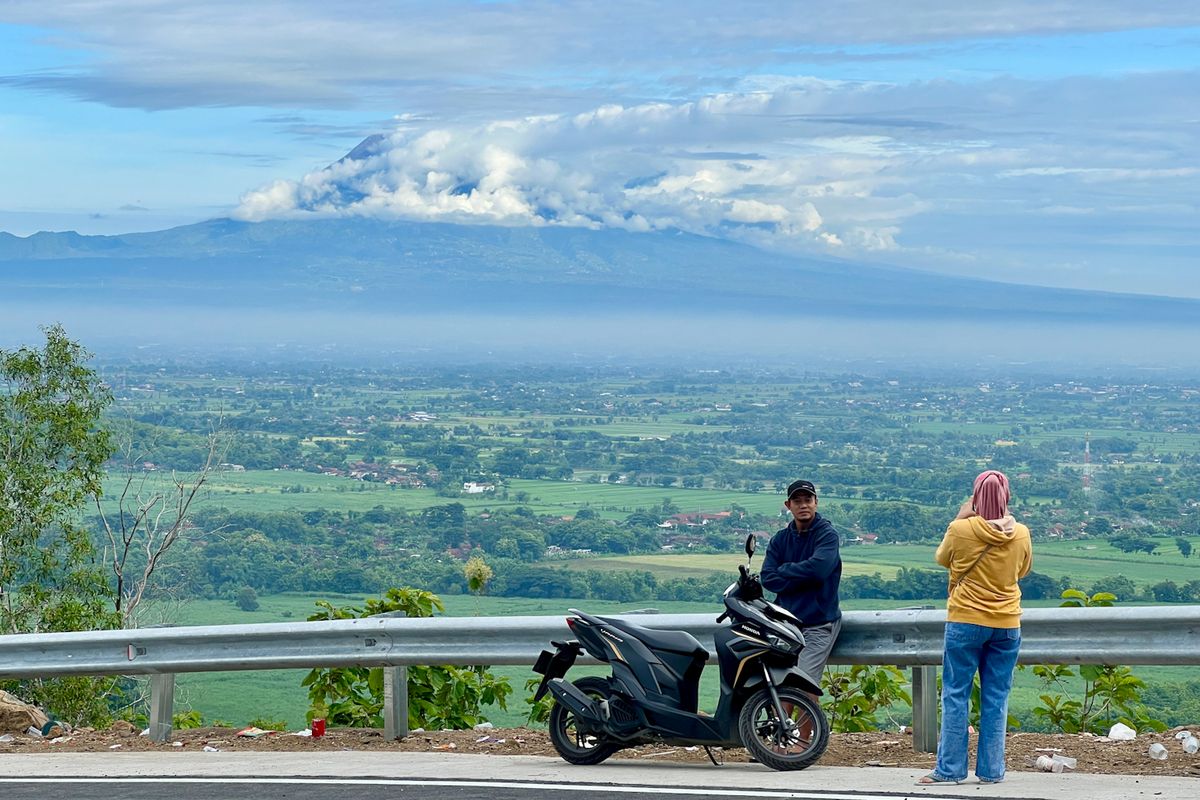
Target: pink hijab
991 495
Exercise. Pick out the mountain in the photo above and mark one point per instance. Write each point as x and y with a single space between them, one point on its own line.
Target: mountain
364 264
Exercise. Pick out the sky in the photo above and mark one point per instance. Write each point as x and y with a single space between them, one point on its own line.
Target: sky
1017 140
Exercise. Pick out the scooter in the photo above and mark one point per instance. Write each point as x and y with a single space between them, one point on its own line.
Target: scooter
767 704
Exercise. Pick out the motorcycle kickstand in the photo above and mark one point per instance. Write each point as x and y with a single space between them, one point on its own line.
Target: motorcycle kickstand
711 757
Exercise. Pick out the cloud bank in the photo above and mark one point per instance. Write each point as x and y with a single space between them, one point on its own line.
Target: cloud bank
163 54
808 165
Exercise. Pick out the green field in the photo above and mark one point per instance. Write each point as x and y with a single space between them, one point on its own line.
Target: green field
688 565
264 490
1085 562
1056 558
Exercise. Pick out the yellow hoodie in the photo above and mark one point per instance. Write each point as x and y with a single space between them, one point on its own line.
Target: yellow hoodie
987 595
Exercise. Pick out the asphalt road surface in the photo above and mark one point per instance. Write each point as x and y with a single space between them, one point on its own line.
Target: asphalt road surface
334 775
215 788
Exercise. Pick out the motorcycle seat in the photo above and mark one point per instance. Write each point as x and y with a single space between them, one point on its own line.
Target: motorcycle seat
671 641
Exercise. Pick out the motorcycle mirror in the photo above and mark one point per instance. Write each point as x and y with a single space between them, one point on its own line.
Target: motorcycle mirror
750 542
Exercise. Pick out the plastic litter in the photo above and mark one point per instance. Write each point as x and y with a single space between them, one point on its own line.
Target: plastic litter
176 744
1048 764
210 749
253 733
484 726
1191 744
8 737
303 732
1066 761
1157 752
1121 732
116 746
32 731
1183 735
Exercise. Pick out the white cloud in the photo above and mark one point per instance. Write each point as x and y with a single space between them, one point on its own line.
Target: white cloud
811 166
609 167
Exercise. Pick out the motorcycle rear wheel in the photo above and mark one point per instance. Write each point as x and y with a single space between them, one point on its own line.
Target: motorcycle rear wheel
574 745
796 744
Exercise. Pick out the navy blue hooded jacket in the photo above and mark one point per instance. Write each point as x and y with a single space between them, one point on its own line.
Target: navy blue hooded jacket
805 569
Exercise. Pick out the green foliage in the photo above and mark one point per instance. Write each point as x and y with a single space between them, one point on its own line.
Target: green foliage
478 575
854 696
438 697
186 720
247 599
539 710
1073 598
52 452
1110 693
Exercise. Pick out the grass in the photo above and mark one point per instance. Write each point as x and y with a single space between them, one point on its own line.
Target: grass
1084 567
274 490
1084 561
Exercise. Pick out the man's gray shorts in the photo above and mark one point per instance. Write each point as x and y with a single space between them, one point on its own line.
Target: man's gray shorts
818 644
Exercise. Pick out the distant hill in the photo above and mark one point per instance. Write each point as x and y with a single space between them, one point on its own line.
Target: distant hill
379 265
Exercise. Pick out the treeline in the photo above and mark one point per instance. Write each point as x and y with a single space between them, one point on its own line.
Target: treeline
351 552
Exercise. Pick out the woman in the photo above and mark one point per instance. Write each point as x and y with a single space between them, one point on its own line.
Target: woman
987 552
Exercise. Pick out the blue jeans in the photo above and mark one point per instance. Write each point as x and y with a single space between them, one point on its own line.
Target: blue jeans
992 652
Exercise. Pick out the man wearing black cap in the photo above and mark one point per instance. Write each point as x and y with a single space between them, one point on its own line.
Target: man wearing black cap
804 567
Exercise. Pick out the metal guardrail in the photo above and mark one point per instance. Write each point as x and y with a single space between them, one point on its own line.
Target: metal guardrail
1164 635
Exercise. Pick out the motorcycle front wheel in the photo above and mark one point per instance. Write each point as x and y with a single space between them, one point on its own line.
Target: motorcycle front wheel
577 746
794 742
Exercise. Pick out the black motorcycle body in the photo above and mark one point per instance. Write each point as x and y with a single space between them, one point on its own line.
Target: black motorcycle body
765 704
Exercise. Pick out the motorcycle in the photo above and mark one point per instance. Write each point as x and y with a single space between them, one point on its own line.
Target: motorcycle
766 703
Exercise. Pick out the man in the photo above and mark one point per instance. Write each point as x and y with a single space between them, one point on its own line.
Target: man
803 566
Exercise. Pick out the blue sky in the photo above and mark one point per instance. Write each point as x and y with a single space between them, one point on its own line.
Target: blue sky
1044 143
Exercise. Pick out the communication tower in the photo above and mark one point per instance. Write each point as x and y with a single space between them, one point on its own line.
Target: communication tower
1087 461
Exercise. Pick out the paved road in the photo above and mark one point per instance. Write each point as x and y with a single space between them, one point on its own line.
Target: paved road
308 789
436 776
355 789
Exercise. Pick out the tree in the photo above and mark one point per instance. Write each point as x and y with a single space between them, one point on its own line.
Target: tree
152 513
1185 547
52 454
247 599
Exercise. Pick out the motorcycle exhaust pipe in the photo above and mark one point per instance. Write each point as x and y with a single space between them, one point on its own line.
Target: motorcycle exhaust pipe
585 709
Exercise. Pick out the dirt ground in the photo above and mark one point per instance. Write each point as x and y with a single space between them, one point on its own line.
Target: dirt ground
867 750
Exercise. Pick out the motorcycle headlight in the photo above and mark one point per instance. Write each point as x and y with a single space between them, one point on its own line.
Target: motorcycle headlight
779 643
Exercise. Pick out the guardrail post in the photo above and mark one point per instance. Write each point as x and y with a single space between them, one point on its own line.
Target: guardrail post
395 702
925 708
162 705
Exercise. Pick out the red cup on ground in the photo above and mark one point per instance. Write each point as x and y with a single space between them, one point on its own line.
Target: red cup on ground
318 728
